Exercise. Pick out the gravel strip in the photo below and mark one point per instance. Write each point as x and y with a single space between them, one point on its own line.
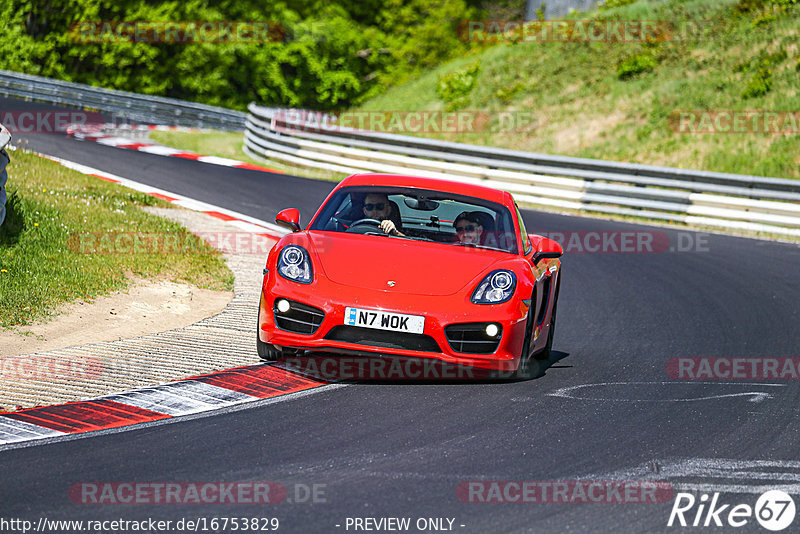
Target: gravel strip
219 342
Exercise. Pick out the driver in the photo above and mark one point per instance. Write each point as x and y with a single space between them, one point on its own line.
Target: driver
377 206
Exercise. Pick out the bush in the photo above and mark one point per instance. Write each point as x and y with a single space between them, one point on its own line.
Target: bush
749 6
506 94
454 89
759 85
333 55
636 64
610 4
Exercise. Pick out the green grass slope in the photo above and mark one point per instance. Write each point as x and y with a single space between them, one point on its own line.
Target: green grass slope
619 100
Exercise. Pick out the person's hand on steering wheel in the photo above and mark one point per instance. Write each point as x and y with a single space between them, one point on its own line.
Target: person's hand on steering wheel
388 227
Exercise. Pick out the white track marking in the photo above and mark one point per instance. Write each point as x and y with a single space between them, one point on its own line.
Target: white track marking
12 431
756 396
722 475
160 150
180 398
114 141
249 227
219 410
259 226
216 160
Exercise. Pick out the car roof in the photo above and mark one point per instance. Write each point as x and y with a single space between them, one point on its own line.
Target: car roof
418 182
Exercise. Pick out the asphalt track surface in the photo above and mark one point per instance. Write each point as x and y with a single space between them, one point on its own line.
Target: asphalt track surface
401 449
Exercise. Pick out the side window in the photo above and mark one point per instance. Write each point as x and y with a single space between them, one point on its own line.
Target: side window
342 215
526 242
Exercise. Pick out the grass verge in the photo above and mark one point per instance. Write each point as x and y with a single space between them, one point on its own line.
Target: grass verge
50 207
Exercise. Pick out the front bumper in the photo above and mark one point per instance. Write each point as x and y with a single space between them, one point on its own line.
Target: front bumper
439 312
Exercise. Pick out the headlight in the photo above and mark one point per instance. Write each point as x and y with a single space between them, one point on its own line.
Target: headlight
295 264
496 287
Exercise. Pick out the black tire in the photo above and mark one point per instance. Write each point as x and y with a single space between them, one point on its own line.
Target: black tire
265 351
529 365
525 369
547 351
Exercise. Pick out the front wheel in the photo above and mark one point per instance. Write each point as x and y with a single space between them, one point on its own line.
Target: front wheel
547 351
267 352
270 353
525 368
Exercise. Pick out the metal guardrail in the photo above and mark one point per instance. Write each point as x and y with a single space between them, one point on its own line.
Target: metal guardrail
5 138
131 107
723 200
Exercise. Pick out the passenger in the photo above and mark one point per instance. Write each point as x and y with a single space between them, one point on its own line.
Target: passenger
469 228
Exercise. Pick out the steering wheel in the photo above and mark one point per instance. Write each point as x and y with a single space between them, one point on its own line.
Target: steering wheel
364 223
374 222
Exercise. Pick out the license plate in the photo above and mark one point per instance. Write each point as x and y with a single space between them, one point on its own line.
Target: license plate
396 322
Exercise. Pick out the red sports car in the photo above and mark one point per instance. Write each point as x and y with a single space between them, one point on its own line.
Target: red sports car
412 267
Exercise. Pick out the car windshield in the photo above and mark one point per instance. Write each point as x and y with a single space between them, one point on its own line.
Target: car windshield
420 214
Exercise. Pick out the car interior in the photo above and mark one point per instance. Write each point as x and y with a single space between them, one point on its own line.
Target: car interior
422 216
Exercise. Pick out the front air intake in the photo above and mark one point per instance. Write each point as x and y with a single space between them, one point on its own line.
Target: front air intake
299 318
471 338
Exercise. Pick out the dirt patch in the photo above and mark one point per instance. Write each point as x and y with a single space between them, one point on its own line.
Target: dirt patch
146 307
585 132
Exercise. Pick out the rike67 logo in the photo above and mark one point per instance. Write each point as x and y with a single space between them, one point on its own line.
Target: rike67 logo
774 510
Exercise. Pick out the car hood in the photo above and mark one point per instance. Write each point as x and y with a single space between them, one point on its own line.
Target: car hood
415 267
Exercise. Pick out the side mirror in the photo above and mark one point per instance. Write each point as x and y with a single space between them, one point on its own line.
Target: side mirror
547 248
290 218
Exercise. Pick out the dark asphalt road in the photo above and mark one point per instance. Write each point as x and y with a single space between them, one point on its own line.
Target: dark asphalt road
401 450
